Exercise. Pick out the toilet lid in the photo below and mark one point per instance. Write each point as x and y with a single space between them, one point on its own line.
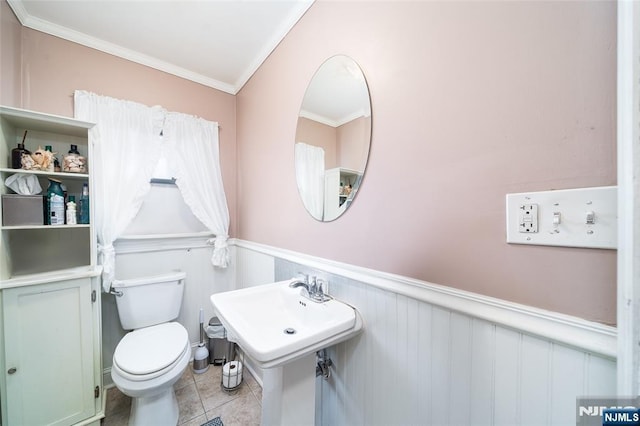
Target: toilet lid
151 349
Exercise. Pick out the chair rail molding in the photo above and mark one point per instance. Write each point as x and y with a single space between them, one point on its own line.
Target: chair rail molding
565 329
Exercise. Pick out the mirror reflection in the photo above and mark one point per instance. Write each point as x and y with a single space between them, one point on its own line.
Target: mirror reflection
333 136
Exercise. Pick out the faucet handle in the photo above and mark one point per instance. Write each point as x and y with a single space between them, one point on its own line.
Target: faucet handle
303 277
312 284
320 295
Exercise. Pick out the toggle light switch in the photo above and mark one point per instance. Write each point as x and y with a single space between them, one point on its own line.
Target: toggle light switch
591 218
565 217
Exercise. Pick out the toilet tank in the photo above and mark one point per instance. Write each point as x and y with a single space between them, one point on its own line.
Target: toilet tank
151 300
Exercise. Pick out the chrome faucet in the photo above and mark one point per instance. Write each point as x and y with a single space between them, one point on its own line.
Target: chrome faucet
311 287
301 280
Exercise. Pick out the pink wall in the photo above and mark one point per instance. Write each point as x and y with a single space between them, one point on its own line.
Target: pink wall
470 100
10 51
52 68
353 143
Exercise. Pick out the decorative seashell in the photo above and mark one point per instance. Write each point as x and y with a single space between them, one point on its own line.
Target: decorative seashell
43 160
27 162
74 163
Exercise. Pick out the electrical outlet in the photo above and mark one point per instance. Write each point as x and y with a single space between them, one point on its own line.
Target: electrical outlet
528 218
581 217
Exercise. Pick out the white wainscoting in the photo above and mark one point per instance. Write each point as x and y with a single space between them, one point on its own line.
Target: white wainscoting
253 268
432 355
138 256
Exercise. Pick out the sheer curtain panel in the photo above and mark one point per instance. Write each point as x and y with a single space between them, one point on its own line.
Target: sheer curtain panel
126 149
309 161
193 145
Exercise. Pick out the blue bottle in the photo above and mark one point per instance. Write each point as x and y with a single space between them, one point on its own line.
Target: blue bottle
84 205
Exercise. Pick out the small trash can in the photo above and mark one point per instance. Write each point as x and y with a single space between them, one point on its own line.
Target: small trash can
220 349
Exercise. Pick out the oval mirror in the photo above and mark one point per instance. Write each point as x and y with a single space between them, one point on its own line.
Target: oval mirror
332 138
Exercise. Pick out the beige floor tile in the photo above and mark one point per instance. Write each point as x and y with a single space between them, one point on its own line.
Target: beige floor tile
200 399
196 421
186 379
247 377
117 402
189 403
213 373
213 396
242 411
120 418
255 387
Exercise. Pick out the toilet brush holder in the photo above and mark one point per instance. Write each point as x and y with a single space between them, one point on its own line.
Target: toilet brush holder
201 359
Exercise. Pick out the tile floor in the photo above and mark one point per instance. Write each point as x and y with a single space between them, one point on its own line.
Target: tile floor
200 399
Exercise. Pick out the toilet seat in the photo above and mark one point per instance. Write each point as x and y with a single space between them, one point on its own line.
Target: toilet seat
151 351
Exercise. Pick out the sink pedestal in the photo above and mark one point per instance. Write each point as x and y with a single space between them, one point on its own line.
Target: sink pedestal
289 393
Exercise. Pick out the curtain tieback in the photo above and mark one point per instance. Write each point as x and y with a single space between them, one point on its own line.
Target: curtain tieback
220 256
219 242
107 259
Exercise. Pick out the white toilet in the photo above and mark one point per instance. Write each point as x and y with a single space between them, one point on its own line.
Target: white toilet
151 358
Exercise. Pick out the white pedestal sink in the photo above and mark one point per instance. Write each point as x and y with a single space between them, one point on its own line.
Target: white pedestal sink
289 393
281 330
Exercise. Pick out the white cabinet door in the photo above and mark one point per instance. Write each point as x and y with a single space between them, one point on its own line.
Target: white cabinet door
49 359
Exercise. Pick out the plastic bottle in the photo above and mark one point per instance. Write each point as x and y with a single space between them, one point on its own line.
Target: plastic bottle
55 203
71 211
84 205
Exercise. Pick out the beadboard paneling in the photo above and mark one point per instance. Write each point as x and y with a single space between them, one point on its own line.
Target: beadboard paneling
150 256
420 364
253 268
417 363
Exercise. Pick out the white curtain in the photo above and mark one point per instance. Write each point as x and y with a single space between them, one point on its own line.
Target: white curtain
309 161
194 147
126 149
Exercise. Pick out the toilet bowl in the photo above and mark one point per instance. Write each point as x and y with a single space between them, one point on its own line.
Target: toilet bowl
146 364
149 360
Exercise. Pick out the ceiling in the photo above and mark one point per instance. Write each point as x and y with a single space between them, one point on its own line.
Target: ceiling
217 43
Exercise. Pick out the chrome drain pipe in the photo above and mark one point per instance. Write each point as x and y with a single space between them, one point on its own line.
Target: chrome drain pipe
322 367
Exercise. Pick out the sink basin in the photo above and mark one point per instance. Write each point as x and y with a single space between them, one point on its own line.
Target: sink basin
274 324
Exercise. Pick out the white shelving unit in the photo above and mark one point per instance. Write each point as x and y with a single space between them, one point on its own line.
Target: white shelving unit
32 249
335 203
50 327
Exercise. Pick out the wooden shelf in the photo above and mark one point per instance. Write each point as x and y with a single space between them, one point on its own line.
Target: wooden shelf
10 228
79 176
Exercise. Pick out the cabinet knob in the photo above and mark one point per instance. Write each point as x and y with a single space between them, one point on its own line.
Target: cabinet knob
12 370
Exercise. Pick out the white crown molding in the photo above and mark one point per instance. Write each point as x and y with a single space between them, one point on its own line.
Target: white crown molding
352 117
318 118
329 122
270 46
122 52
113 49
565 329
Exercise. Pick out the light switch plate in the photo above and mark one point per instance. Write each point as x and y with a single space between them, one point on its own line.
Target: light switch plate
584 217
